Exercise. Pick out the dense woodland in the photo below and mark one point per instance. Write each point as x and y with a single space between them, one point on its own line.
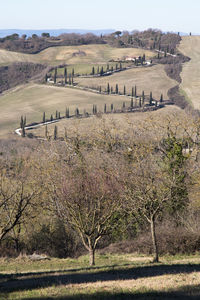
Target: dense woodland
137 187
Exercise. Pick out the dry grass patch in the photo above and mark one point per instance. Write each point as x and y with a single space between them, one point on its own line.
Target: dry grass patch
34 99
190 46
152 79
120 124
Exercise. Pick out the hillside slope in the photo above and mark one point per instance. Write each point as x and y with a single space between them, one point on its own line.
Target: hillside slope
190 46
73 55
34 99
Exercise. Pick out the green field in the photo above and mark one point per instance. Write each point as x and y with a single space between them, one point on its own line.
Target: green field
125 276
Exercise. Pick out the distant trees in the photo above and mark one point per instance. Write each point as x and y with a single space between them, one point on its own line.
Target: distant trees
45 35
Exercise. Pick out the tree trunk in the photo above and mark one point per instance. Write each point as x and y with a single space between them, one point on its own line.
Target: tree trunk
154 240
92 257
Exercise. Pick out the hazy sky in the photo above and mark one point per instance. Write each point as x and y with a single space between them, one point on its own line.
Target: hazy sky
172 15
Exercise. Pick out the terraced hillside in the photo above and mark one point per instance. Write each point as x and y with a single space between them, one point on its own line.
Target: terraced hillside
92 54
190 46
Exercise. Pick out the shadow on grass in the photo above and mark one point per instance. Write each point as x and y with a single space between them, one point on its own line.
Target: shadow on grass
179 294
42 280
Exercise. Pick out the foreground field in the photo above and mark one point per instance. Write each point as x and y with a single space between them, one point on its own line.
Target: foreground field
94 54
190 46
33 99
115 277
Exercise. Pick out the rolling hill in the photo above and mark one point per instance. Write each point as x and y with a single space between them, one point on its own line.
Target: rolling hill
190 46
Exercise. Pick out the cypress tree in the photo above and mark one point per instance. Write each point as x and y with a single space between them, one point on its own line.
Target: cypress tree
51 118
23 131
104 108
161 98
59 115
111 107
112 69
101 72
93 71
24 123
44 118
135 91
77 112
73 72
116 67
98 70
123 105
131 102
108 67
143 97
46 77
72 81
67 112
55 75
111 90
56 114
140 102
21 122
65 75
150 99
108 88
100 89
116 89
124 90
132 93
55 134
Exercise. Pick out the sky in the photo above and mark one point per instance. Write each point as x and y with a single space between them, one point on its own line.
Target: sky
167 15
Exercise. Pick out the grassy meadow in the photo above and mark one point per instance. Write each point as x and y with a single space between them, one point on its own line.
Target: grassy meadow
92 54
34 99
190 46
123 276
150 79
